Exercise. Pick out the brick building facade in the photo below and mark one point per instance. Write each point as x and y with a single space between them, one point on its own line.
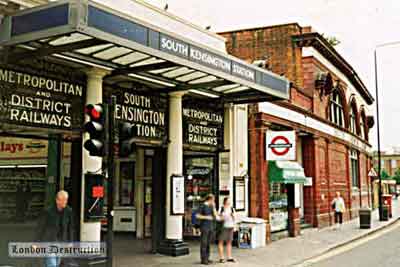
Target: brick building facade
329 109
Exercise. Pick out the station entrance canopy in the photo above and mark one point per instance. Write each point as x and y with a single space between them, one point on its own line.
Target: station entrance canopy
87 33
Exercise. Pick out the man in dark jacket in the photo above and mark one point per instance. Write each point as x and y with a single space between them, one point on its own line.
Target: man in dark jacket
207 214
56 225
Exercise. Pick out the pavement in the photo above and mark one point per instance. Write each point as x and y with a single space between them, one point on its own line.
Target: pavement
312 244
376 250
282 253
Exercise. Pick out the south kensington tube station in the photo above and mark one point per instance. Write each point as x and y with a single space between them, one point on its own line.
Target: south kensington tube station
183 96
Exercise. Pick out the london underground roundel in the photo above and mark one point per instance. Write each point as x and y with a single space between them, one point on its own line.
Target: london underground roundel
281 145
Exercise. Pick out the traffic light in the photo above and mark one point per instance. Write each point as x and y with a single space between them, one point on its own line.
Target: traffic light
96 129
126 142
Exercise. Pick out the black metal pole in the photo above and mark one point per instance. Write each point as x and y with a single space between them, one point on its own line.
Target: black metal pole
378 136
110 180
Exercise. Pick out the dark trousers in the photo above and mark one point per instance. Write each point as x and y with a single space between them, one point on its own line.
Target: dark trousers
339 217
205 241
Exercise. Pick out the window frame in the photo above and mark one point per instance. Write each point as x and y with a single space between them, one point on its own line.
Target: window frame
354 169
353 120
336 109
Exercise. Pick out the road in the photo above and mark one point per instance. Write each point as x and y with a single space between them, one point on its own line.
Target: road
379 250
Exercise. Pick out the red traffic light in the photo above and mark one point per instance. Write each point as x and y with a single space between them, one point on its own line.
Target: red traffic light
94 111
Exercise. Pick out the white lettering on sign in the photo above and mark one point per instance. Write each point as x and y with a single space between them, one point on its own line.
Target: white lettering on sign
36 110
40 82
174 46
202 127
281 145
138 110
243 72
202 135
210 59
202 115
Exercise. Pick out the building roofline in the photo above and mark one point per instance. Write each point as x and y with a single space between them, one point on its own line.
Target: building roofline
317 41
262 27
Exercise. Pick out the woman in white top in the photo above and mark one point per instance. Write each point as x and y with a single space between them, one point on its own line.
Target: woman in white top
227 213
339 207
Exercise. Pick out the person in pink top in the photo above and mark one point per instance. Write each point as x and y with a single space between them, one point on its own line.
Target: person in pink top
227 213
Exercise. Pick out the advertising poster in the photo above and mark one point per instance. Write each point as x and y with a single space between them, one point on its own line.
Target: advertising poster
178 195
245 237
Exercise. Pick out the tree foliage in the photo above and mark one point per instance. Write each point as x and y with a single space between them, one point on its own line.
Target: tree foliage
396 176
384 174
332 40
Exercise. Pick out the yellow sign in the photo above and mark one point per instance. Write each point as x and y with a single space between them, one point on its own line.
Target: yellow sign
12 148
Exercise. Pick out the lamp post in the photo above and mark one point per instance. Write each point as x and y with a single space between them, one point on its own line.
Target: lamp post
378 124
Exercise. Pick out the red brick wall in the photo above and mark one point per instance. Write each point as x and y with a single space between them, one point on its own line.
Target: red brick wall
259 199
325 158
309 157
299 99
275 44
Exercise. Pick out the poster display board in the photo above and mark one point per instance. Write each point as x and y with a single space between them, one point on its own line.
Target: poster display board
177 195
239 197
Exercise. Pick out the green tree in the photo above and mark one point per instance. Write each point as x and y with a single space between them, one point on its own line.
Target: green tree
396 176
384 174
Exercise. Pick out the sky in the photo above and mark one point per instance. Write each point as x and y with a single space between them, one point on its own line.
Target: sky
360 25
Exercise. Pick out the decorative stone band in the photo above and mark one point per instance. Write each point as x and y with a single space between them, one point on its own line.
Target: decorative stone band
302 119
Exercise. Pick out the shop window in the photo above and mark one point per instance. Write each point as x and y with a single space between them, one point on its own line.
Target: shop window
278 205
22 192
199 181
355 179
394 164
127 183
336 109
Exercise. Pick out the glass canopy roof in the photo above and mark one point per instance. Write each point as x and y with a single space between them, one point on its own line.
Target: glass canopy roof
87 33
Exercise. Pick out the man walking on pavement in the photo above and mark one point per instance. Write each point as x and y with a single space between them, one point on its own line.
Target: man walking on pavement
56 225
339 207
207 214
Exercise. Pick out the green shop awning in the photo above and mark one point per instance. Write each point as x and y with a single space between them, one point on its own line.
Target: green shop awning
286 172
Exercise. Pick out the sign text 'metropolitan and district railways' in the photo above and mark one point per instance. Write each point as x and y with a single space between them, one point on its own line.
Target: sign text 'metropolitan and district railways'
202 127
40 101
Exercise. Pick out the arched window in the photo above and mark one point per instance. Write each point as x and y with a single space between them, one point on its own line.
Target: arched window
363 125
362 128
353 120
336 109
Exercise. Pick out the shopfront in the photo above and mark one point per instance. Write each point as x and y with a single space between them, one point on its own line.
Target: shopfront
203 130
40 113
285 181
175 91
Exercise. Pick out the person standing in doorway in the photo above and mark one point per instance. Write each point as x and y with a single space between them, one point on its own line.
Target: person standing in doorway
56 225
207 214
227 214
339 207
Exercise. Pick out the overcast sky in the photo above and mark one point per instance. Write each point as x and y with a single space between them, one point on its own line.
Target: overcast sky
360 25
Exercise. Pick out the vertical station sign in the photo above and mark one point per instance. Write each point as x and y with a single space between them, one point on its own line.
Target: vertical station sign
203 123
146 112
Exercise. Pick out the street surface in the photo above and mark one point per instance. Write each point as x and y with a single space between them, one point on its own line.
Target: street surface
378 250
